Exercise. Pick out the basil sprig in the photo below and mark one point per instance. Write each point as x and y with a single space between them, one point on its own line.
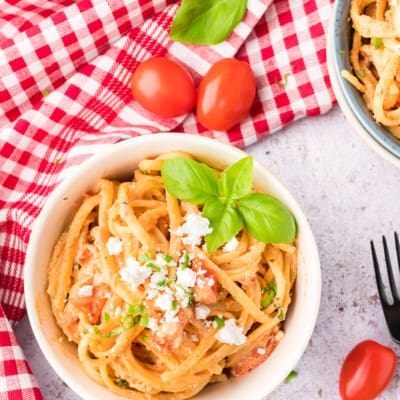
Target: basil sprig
206 22
228 201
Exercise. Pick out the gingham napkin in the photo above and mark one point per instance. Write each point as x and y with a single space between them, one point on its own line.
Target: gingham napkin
65 68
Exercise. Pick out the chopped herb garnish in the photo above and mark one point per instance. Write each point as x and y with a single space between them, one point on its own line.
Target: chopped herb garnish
341 51
174 305
145 338
361 73
132 310
285 80
167 258
115 332
106 316
266 301
65 198
376 42
219 322
58 161
165 282
144 320
153 266
85 331
264 290
146 257
291 375
281 315
45 93
121 383
185 263
319 392
129 321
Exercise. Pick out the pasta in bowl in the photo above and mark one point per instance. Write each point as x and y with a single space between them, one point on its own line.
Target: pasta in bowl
145 308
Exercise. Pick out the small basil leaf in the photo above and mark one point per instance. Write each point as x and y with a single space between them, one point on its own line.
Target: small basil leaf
189 180
236 181
267 219
206 22
225 221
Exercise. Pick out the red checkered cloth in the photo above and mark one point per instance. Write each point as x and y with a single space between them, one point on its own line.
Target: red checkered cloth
16 379
65 68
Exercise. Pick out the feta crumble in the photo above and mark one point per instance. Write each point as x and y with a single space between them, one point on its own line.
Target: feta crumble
186 277
153 324
230 333
85 291
134 273
201 311
261 351
114 246
231 245
193 230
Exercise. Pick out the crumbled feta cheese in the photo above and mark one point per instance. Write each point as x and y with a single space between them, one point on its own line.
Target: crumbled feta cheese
134 273
107 295
153 324
210 282
230 333
186 277
85 291
114 246
194 228
164 301
201 283
201 311
170 316
151 293
261 351
156 278
231 245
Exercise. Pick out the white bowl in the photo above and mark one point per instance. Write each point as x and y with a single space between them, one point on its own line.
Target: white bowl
120 160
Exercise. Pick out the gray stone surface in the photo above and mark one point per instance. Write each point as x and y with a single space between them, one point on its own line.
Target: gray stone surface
350 196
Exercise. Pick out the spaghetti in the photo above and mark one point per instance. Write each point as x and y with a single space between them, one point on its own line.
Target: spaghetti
153 314
375 59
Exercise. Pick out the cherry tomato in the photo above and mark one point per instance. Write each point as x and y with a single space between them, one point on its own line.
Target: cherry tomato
164 87
226 94
366 371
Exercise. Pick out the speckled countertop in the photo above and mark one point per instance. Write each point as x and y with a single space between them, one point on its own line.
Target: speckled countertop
350 196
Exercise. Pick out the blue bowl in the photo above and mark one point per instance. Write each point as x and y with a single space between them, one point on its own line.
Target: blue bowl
341 37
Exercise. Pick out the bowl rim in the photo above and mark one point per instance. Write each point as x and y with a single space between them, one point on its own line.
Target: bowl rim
345 94
313 262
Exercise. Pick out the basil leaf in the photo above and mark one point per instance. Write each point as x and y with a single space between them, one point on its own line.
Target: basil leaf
267 219
189 180
236 181
206 22
225 221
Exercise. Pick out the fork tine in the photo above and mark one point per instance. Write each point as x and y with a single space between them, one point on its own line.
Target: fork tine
389 268
379 283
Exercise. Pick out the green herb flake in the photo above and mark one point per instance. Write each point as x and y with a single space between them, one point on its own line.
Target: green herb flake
377 42
167 258
319 392
153 266
341 51
45 93
284 81
361 73
65 198
122 383
165 282
144 320
146 257
115 332
174 305
106 316
281 315
271 289
219 322
145 338
58 161
291 376
85 331
185 263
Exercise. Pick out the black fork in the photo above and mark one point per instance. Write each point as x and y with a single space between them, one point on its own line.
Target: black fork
391 309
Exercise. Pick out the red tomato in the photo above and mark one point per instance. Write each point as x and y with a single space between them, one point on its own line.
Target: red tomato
366 371
163 87
226 94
